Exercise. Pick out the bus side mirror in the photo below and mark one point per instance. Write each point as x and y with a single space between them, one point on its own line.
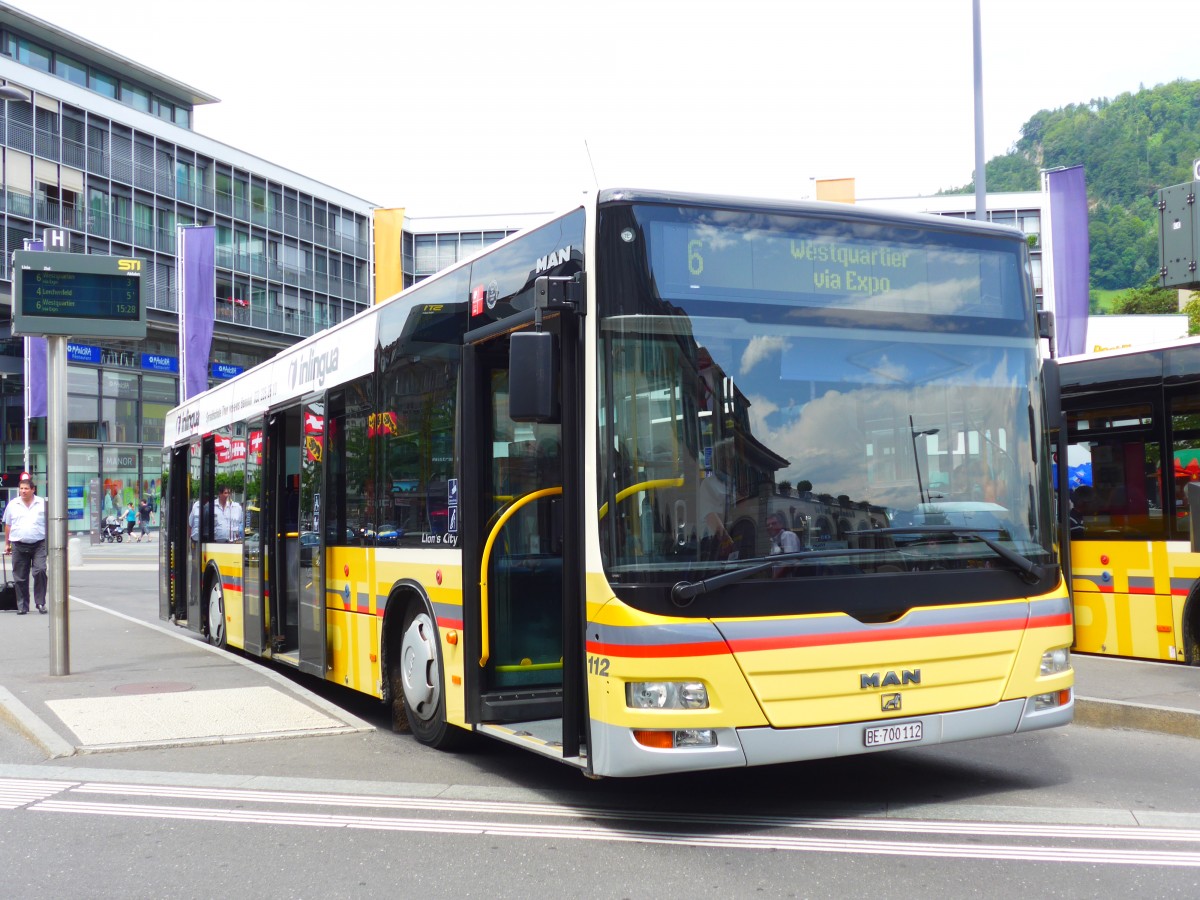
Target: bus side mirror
533 377
1045 321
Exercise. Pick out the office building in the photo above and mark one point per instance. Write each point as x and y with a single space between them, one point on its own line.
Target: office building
106 149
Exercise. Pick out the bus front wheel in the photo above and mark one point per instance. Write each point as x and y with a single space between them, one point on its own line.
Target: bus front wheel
417 680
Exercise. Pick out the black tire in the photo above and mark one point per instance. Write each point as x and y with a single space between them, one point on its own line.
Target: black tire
418 682
216 614
117 538
1191 631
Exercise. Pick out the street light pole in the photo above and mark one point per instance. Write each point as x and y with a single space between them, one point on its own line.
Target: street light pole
917 459
980 165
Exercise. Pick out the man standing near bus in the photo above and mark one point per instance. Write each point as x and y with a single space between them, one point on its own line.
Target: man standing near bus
25 539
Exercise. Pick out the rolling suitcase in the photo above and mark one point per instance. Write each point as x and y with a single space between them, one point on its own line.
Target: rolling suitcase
8 588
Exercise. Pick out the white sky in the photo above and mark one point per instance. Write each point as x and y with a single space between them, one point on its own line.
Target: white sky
463 106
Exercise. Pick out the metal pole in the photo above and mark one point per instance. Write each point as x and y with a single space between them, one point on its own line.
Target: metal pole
912 429
56 497
980 176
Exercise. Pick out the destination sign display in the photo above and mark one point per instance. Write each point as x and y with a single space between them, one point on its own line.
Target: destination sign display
915 273
77 294
80 294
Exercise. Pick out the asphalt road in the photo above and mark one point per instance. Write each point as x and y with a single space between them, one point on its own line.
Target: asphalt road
1075 812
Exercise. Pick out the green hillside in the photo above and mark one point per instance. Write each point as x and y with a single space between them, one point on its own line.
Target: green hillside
1129 147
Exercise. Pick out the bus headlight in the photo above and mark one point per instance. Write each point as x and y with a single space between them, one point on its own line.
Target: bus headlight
1055 661
666 695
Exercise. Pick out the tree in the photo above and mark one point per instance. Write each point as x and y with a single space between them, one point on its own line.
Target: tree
1147 299
1192 308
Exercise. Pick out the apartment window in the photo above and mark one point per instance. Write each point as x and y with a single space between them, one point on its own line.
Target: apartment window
70 70
33 55
425 254
447 251
132 95
104 84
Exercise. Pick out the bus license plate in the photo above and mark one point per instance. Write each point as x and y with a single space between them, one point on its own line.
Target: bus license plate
892 734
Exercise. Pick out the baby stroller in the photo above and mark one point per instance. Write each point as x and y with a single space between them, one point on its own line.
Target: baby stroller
111 532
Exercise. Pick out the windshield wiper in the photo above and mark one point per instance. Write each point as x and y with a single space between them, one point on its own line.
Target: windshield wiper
684 592
1030 572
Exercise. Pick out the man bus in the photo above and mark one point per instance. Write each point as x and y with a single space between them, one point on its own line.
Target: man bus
527 497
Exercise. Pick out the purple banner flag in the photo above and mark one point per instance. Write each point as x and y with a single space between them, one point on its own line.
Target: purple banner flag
35 375
197 305
35 361
1069 250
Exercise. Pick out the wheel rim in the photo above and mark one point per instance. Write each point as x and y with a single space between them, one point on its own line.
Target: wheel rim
418 667
216 614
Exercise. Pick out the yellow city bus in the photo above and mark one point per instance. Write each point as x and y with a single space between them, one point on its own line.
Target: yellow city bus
668 482
1133 448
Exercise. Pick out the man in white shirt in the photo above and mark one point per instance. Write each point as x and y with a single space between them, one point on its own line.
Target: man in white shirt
25 539
228 524
227 518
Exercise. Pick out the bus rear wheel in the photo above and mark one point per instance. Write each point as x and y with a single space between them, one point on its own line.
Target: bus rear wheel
418 681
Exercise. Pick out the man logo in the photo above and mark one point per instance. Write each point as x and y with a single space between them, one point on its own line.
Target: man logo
890 702
129 265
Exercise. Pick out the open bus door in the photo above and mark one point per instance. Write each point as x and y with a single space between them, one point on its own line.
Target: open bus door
521 533
291 540
180 544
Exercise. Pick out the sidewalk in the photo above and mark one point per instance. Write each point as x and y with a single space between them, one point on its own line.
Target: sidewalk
1144 696
135 684
139 684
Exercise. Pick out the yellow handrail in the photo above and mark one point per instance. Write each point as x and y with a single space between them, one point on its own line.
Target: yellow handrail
642 486
484 633
485 639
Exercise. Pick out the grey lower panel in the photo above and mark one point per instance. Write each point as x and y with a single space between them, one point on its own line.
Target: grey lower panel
767 746
617 754
1034 719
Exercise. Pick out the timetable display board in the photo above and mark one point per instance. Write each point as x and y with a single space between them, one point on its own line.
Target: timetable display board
77 295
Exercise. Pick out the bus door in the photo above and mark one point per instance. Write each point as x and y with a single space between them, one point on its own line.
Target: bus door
281 530
181 537
311 541
293 442
252 546
519 520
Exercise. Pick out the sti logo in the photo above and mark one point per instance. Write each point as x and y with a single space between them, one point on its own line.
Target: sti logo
129 265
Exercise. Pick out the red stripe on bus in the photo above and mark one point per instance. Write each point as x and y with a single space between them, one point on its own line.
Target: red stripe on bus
658 651
450 623
794 641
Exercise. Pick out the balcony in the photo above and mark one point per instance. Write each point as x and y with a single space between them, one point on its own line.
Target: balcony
47 144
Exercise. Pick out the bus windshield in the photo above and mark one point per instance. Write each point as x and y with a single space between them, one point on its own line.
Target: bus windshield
777 384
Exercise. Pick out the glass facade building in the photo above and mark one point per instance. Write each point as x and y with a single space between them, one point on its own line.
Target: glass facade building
104 149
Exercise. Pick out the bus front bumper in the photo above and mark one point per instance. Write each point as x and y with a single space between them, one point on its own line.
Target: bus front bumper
616 753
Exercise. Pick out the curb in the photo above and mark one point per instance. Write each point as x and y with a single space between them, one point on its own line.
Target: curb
1136 717
24 720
